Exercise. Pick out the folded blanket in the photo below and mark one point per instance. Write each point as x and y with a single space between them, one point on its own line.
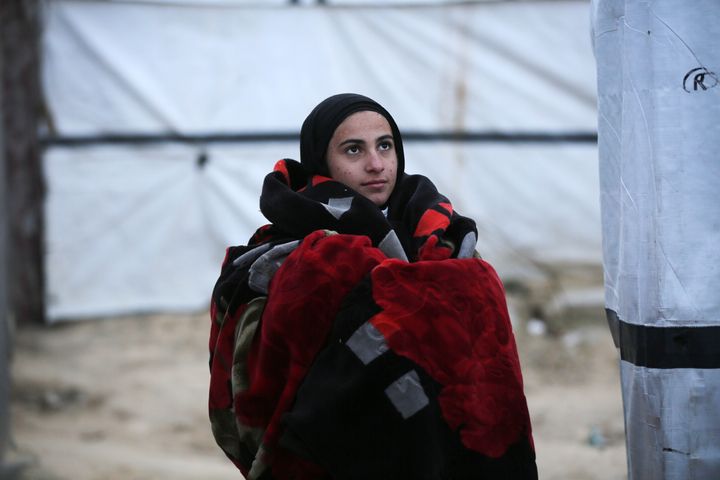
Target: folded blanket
333 356
420 379
416 376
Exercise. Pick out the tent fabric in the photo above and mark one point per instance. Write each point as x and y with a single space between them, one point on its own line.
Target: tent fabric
142 227
470 67
659 134
284 3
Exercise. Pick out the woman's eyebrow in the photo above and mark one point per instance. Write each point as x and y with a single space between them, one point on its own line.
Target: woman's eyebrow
352 140
384 137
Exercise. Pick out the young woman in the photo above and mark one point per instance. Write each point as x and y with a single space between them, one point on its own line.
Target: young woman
358 335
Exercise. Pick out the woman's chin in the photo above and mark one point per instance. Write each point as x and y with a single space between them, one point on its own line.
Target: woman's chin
378 195
377 198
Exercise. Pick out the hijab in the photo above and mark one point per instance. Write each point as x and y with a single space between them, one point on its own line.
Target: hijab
319 127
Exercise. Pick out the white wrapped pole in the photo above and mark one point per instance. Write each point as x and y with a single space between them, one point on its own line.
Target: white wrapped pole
659 143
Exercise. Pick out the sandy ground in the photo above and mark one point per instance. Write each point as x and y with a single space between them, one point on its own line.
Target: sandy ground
125 398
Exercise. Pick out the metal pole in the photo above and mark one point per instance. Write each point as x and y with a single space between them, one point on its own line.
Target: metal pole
20 193
4 313
24 183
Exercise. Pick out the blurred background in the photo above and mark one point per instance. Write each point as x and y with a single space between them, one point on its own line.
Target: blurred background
136 134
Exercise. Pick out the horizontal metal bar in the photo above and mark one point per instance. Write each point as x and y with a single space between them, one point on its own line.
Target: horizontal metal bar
260 137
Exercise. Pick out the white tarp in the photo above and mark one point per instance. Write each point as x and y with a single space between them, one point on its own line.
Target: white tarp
133 228
659 138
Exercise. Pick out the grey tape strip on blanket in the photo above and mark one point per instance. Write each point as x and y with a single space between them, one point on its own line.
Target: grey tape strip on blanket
263 269
467 247
338 206
367 343
391 246
407 394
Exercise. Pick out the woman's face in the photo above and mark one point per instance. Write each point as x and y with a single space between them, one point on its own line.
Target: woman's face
361 154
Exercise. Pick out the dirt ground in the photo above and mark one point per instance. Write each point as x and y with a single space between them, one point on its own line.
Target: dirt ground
125 398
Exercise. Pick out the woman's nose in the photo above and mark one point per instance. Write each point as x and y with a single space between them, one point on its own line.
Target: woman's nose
375 162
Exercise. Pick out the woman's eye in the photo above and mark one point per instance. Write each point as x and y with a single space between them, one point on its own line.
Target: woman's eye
385 146
353 149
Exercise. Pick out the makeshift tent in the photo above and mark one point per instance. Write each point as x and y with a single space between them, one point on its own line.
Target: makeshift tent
165 117
659 137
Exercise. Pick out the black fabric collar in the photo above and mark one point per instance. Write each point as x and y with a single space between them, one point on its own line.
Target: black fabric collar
297 204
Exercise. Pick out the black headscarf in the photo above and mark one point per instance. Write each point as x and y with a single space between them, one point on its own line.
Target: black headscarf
319 126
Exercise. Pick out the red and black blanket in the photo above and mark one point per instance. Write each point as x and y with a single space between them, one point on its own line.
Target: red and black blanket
351 344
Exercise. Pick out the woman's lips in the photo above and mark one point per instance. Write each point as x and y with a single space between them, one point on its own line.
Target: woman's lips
375 184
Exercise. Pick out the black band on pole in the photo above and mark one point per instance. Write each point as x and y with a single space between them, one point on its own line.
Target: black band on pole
666 347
